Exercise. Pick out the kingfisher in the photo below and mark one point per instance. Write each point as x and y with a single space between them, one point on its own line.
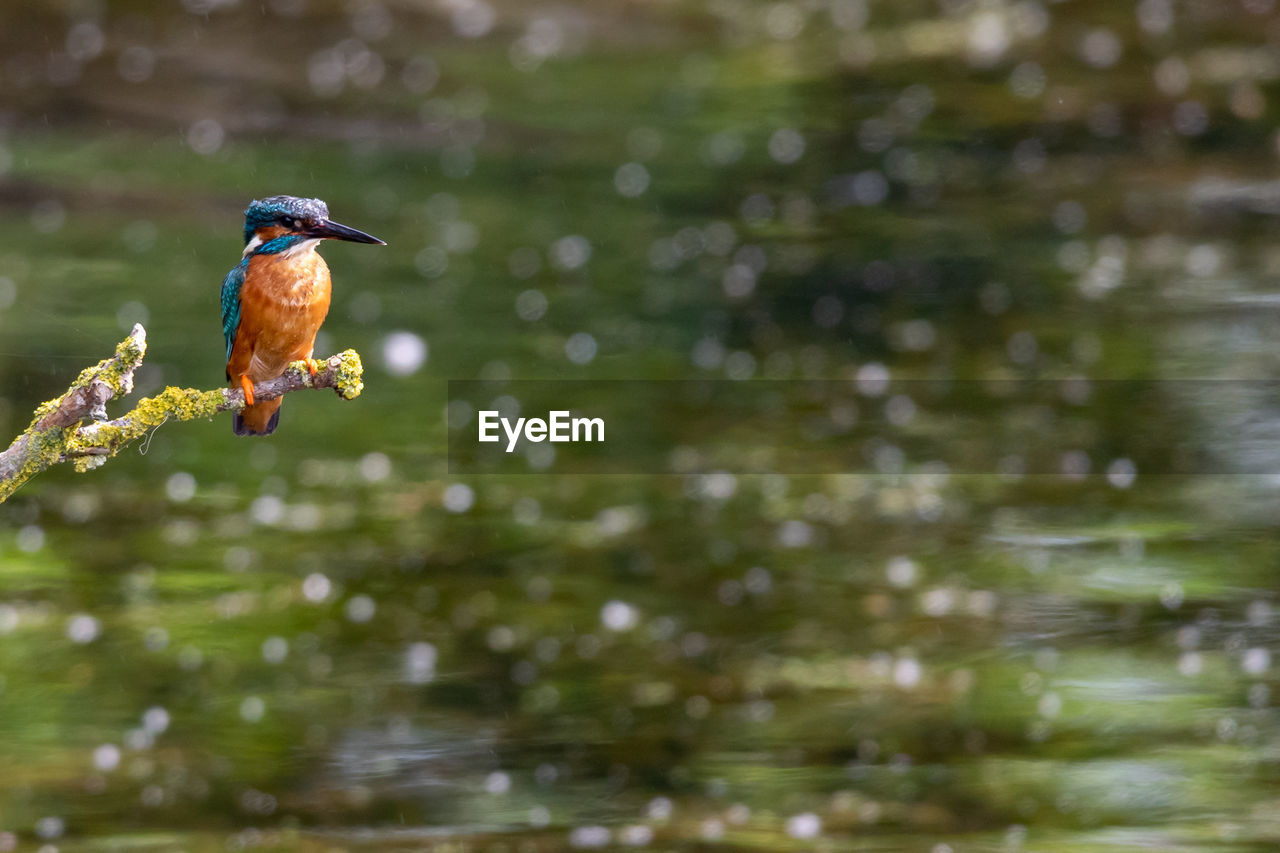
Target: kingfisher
275 299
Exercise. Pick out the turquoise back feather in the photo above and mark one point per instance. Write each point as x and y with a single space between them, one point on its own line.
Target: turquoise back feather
231 303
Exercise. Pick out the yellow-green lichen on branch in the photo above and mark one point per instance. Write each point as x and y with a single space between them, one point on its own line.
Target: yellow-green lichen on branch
117 371
346 369
41 448
349 375
43 410
58 433
92 443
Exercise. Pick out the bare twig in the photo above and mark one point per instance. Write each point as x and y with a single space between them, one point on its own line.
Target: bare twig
56 433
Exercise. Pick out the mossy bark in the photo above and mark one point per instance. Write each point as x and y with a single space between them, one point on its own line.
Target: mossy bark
57 434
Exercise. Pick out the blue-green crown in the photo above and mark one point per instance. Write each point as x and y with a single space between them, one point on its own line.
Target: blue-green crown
269 211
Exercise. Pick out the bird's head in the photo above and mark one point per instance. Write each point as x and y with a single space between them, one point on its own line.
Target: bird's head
282 222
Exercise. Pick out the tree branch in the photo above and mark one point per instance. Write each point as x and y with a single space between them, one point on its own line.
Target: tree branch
56 433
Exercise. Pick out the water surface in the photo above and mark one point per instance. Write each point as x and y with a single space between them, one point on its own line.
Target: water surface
329 641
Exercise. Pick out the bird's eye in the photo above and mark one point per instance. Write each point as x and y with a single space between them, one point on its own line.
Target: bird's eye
288 221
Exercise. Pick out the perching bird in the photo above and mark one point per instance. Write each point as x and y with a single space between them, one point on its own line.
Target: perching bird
275 299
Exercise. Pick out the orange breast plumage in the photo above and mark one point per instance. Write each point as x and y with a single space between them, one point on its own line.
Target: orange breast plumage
283 302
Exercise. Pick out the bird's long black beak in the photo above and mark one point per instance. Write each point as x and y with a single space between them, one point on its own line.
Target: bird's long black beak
336 231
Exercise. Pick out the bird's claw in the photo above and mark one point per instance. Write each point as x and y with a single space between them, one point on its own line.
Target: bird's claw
248 389
313 366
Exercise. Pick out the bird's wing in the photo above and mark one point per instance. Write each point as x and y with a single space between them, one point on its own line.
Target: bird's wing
231 302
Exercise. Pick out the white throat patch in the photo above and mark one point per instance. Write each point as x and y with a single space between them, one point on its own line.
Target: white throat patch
299 248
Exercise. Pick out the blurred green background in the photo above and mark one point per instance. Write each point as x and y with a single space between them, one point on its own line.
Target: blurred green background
326 641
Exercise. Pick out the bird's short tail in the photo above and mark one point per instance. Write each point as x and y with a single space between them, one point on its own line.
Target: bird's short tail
258 419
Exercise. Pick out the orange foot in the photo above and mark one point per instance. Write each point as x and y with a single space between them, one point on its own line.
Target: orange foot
248 389
313 366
